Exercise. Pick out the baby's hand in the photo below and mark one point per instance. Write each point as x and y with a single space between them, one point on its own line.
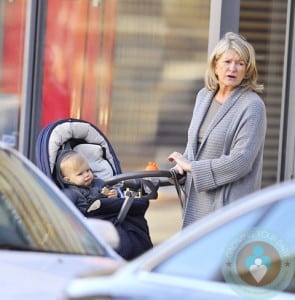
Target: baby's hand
110 193
105 190
113 193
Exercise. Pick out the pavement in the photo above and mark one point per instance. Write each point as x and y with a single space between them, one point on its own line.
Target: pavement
164 215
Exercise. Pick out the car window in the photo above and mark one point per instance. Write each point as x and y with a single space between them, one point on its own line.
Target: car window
204 258
33 216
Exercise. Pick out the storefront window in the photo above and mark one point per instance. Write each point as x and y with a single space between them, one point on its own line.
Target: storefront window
12 33
79 43
263 22
159 62
132 68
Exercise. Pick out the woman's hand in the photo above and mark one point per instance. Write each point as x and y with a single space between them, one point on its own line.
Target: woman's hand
182 164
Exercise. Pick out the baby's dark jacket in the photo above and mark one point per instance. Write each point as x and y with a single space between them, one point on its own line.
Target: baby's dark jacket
133 231
83 197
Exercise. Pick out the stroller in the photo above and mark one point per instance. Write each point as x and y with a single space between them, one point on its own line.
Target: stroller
136 188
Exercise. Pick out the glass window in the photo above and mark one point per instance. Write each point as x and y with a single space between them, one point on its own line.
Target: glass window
159 61
130 67
34 217
12 32
79 42
202 259
263 23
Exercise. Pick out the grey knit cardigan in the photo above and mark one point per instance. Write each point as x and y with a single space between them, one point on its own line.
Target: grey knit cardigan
228 163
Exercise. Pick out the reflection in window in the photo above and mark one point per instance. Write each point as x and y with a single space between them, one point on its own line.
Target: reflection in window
37 215
203 260
263 22
12 33
11 227
159 60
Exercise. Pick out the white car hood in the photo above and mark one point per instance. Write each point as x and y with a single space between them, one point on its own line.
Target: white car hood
30 275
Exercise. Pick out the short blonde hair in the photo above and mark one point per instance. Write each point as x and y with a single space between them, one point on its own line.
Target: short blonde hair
71 158
236 42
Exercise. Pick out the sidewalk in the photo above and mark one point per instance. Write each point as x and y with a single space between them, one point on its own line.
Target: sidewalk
164 215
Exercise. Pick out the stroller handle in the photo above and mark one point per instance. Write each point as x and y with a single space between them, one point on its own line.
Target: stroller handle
134 180
141 174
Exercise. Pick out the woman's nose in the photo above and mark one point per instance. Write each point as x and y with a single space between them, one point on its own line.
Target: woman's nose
232 66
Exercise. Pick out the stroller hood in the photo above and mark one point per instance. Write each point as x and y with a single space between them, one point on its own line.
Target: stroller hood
81 136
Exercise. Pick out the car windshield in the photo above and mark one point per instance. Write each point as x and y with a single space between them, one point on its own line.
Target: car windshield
33 215
205 257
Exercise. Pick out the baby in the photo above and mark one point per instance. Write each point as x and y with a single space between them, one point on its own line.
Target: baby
76 171
91 196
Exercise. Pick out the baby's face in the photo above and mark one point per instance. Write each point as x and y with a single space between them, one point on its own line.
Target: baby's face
77 171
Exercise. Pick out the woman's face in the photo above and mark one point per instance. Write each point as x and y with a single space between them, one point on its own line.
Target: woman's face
230 70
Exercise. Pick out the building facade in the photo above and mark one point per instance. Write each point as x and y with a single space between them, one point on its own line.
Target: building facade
133 68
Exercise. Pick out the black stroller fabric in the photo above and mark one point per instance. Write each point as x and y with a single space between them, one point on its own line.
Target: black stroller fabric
81 136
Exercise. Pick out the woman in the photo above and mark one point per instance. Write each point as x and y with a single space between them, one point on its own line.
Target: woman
224 152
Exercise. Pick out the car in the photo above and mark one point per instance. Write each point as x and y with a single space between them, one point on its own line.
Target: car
242 251
44 240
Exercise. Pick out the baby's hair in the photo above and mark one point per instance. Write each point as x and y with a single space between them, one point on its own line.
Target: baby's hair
68 155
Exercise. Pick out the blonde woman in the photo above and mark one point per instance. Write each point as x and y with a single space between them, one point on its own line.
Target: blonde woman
224 152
